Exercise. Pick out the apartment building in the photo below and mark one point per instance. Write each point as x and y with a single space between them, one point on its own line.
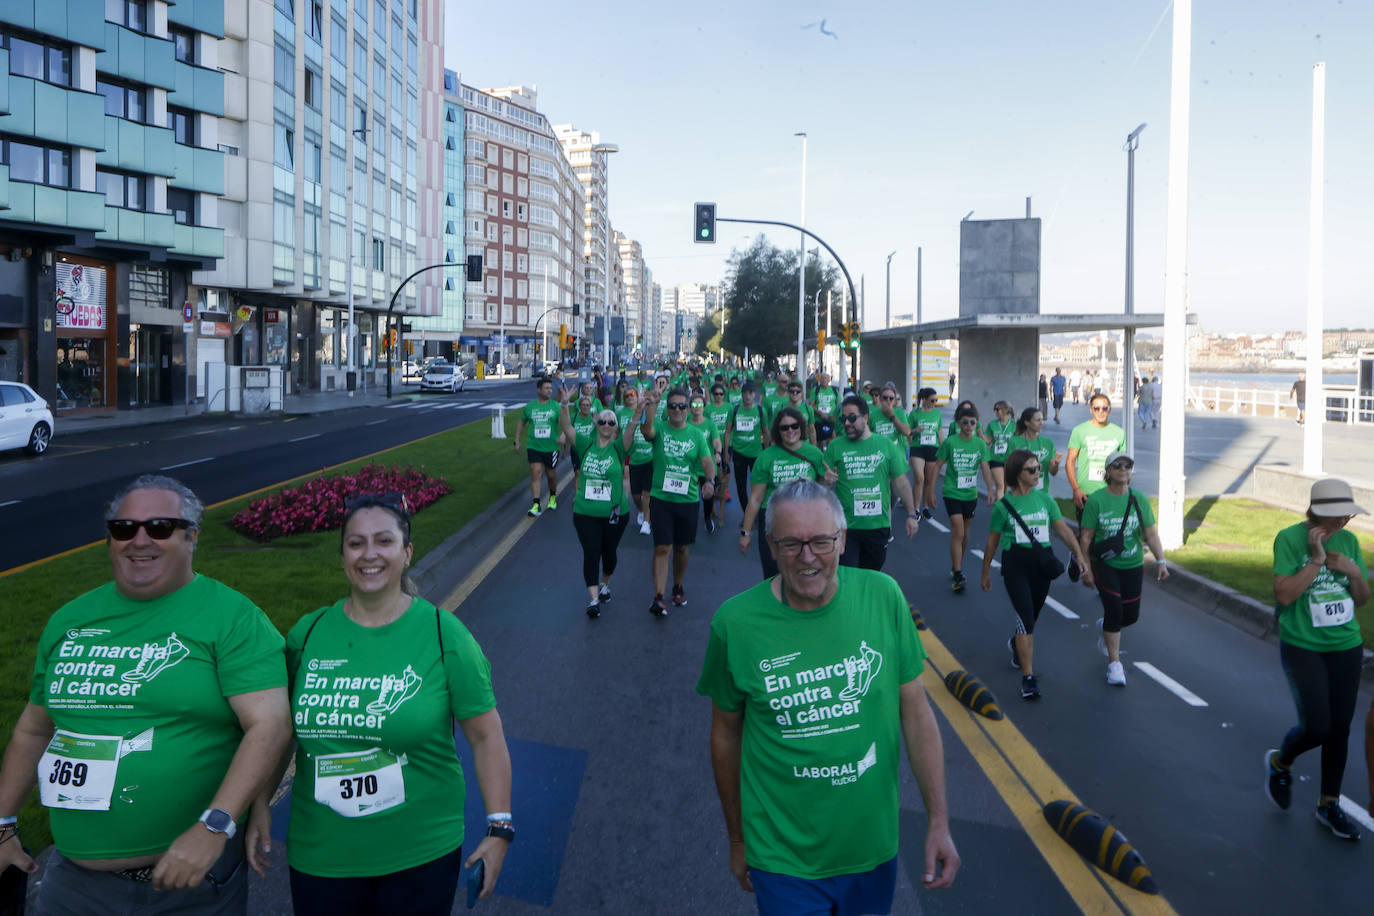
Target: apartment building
590 158
109 171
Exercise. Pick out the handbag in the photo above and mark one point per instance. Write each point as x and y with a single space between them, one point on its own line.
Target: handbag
1049 564
1109 548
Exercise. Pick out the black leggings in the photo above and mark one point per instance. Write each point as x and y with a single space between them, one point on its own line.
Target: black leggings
425 890
1119 590
766 560
600 537
743 465
1027 586
1326 688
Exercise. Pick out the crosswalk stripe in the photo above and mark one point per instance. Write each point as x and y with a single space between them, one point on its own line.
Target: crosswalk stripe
1169 684
979 554
1061 608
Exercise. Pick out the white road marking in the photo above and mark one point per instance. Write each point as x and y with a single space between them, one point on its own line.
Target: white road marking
931 521
373 422
303 438
1060 609
1171 685
520 406
1355 812
979 554
397 404
9 502
186 464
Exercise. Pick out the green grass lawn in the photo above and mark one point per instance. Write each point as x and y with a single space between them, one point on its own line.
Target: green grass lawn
1231 540
287 578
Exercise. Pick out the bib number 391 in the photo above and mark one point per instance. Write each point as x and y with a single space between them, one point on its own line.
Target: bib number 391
78 771
360 783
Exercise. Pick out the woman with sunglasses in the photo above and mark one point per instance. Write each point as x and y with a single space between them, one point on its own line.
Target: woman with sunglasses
999 432
378 678
796 400
745 438
601 504
787 459
696 416
1119 518
924 421
977 427
967 455
719 410
1026 582
641 460
889 420
1028 436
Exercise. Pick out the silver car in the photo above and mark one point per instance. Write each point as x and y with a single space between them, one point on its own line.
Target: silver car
442 377
25 419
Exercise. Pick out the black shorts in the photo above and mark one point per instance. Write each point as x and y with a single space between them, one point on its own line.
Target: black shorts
964 507
994 463
865 548
924 452
547 459
641 478
672 523
1058 401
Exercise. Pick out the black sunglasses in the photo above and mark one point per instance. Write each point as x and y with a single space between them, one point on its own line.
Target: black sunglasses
607 423
850 417
786 427
391 500
1033 470
677 406
159 529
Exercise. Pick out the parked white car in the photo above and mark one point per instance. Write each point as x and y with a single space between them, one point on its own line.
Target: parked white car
25 419
443 377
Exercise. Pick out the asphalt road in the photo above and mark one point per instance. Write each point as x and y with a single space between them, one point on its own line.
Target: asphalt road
56 500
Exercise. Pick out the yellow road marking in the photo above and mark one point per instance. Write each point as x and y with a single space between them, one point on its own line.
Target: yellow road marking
1026 783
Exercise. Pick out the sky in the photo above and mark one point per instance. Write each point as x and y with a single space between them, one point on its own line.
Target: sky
917 113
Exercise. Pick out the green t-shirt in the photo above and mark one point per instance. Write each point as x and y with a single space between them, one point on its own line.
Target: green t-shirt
154 677
541 425
978 430
1001 434
677 462
585 426
641 449
708 428
600 481
1043 448
777 466
925 426
769 389
820 693
357 689
771 403
826 400
734 396
1102 512
806 410
1036 509
1323 618
1094 444
864 472
964 457
720 416
746 431
884 427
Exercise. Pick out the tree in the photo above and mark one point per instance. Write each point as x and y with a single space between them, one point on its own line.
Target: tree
761 295
708 335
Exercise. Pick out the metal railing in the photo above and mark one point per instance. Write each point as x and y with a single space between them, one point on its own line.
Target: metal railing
1343 404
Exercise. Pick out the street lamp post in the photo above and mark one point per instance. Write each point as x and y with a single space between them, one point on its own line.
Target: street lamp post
801 270
1128 360
888 294
605 149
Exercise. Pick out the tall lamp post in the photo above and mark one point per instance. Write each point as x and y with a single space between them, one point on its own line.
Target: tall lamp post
605 149
801 270
888 294
1128 362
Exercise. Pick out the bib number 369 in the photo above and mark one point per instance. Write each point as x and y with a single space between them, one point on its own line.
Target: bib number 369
78 771
66 773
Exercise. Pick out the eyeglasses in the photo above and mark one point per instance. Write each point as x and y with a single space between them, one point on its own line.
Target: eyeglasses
159 529
1101 408
850 417
677 406
794 391
821 545
607 423
1034 470
968 421
888 397
1120 466
717 391
392 500
788 427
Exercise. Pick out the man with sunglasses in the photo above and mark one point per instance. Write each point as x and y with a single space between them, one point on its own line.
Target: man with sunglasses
540 418
681 455
814 680
1098 437
867 469
156 714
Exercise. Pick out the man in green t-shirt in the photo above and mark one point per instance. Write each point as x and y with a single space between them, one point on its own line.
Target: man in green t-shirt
814 680
825 400
1094 440
681 454
144 692
867 469
537 433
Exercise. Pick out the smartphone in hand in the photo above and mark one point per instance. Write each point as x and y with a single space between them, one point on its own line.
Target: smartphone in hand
476 876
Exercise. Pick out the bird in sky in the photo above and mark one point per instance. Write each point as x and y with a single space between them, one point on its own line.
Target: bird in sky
824 30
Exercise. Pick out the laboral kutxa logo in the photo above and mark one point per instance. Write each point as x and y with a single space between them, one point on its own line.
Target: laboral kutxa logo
841 773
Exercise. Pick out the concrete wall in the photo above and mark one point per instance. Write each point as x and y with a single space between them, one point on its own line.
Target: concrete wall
998 366
1289 488
883 361
999 266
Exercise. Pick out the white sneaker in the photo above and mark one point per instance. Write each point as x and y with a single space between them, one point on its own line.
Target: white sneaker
1116 674
644 528
641 518
1101 643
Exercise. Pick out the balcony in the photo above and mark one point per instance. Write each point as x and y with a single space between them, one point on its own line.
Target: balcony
137 57
197 241
69 116
201 15
81 22
138 228
197 88
37 203
197 169
137 147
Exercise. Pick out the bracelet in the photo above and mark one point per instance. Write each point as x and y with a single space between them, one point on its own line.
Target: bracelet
7 821
743 533
499 816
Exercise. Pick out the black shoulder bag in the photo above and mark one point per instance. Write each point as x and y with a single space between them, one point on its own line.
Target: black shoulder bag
1109 548
1044 556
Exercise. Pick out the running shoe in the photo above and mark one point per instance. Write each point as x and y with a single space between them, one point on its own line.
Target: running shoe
926 513
1278 783
604 593
658 608
957 580
1333 818
1074 571
593 609
640 518
1116 674
710 525
1030 688
535 511
1101 643
679 596
553 502
644 528
1011 647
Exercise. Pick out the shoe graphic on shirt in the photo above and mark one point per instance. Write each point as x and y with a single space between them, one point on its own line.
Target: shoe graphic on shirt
156 659
395 691
861 671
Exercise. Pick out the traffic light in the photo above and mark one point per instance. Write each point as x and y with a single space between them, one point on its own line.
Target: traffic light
706 223
563 337
854 334
820 338
474 268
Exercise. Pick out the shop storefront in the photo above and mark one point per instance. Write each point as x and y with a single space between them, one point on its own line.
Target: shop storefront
85 331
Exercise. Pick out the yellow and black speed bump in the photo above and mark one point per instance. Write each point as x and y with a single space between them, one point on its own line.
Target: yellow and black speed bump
916 616
1100 843
973 693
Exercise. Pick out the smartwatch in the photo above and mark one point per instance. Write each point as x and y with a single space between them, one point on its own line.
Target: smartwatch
502 830
217 820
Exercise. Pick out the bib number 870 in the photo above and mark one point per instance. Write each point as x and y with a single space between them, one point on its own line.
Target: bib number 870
358 785
1333 608
65 773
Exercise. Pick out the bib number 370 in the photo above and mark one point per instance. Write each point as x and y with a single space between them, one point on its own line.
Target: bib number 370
361 783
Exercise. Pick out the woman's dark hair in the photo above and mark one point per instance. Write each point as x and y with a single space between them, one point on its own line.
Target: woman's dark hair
1025 418
393 504
794 414
965 409
1015 462
925 393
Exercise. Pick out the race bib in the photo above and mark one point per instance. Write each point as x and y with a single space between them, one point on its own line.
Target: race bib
1041 533
359 783
676 483
927 439
78 771
1000 443
867 507
543 432
1330 605
965 481
745 424
598 492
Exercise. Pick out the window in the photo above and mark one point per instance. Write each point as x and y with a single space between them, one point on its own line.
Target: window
284 68
31 162
183 125
314 23
38 59
284 147
286 7
378 254
183 45
130 13
505 209
312 89
123 101
122 189
182 205
508 159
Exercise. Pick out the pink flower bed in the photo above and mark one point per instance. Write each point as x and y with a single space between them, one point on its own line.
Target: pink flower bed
318 504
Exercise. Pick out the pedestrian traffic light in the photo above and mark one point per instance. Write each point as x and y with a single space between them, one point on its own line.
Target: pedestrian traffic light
820 339
706 223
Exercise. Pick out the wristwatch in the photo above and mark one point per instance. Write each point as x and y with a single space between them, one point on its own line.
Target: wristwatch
217 820
502 830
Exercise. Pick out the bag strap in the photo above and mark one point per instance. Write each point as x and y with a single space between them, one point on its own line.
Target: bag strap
1020 521
1130 504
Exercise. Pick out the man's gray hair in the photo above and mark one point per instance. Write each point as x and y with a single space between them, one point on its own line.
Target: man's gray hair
802 491
192 510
